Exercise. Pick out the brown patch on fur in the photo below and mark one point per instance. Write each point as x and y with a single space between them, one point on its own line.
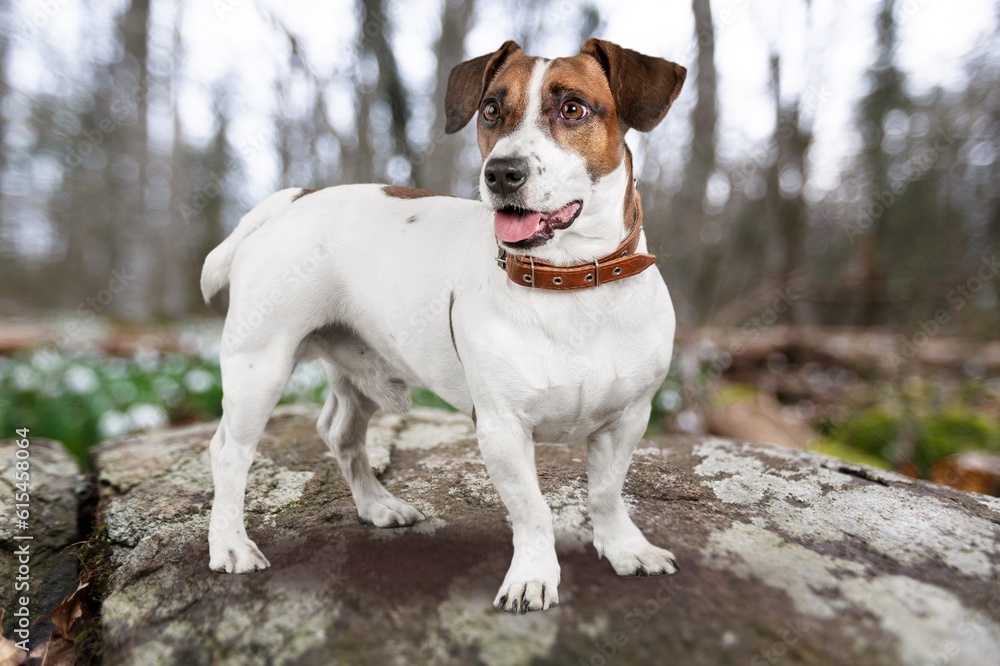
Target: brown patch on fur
402 192
301 194
633 203
599 138
510 89
468 81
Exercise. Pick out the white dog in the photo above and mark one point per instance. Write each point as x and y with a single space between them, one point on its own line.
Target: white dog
390 287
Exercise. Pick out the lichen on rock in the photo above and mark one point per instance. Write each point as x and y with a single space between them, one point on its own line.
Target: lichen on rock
785 557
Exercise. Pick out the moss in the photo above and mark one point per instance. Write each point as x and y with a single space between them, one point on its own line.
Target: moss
872 432
735 394
95 570
950 432
832 447
937 435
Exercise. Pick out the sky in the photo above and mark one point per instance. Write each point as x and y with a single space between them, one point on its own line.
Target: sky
825 53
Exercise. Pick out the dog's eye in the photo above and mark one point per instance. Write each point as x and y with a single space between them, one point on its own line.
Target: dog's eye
491 111
573 110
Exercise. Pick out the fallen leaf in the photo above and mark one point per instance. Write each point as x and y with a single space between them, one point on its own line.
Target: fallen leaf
67 616
973 471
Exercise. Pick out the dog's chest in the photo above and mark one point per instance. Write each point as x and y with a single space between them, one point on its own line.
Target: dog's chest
592 376
569 365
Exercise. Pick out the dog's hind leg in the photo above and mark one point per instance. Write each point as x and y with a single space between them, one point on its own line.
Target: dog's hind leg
616 537
343 424
251 384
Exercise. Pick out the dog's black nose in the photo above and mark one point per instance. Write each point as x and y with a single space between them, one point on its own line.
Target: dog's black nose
505 175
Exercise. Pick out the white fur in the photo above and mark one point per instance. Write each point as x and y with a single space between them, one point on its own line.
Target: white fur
342 276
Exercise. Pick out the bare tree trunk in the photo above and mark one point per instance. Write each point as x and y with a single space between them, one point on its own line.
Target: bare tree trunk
688 215
5 13
130 145
787 209
285 136
886 95
688 202
179 279
437 168
388 90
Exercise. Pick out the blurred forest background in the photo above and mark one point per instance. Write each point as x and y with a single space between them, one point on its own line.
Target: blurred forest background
824 205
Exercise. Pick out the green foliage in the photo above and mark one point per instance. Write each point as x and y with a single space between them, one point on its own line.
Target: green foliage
424 398
872 432
936 435
667 402
950 432
849 453
735 394
80 400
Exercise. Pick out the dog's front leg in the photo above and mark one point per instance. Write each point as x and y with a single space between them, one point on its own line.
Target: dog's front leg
533 578
616 537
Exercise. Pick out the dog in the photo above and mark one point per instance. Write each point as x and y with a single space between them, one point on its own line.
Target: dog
545 326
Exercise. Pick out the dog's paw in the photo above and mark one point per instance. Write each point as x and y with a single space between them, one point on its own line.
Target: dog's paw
528 590
236 554
388 511
640 558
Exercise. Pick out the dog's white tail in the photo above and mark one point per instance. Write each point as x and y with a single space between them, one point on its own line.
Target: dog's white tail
215 272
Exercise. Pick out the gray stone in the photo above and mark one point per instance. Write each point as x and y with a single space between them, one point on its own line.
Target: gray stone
785 557
54 504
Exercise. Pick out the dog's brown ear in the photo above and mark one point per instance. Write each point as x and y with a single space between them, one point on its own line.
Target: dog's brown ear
643 87
467 83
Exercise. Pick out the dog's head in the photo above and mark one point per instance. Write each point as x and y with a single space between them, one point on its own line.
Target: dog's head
552 135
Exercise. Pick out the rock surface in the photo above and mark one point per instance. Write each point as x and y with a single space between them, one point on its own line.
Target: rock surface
54 488
785 557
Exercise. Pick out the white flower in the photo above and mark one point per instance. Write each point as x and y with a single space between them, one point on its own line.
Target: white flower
198 380
46 360
26 378
687 421
669 400
114 424
147 417
80 379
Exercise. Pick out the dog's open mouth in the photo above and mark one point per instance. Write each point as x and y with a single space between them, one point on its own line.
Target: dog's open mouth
521 228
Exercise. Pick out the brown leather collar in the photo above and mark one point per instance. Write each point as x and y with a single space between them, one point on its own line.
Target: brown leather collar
620 264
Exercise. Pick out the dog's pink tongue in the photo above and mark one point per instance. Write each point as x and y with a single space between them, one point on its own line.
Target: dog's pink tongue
512 228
